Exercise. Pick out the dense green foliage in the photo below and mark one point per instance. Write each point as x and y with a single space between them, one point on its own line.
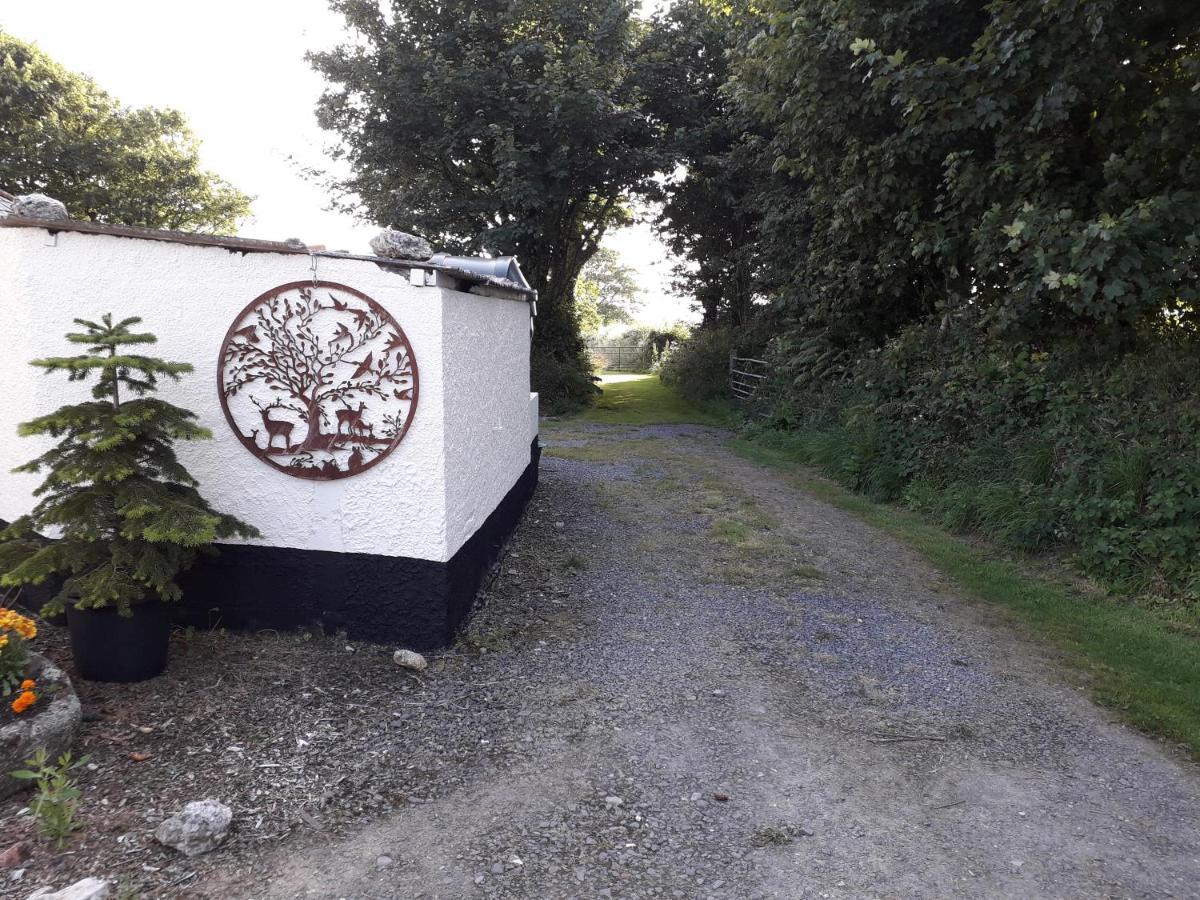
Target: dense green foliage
606 292
128 513
641 348
505 126
975 261
712 202
1029 160
698 368
63 136
1035 449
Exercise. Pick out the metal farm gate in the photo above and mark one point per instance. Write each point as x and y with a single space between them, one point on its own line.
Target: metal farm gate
746 377
620 358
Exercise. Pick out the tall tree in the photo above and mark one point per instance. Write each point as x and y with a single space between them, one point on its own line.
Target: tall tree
610 287
710 211
1024 163
505 126
62 135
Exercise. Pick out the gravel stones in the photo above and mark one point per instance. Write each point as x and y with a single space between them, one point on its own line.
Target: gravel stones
39 206
647 678
199 827
645 728
400 245
87 889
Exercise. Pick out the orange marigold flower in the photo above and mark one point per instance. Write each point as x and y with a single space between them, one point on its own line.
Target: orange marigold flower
28 684
23 702
11 620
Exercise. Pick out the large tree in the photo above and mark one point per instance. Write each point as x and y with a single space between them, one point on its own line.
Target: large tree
607 291
710 201
1028 164
62 135
503 126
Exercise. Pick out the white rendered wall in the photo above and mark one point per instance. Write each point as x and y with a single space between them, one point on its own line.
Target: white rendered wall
188 295
485 373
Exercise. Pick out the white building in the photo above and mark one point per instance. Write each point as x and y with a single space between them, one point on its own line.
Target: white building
384 485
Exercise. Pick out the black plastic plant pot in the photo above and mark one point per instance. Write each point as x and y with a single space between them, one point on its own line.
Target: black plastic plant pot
111 647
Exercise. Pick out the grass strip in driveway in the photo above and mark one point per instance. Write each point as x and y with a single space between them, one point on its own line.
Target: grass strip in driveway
1138 665
645 400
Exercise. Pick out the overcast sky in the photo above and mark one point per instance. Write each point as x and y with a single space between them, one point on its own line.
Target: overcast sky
237 71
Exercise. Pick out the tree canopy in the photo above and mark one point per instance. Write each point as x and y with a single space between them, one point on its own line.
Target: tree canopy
62 135
606 292
502 126
972 233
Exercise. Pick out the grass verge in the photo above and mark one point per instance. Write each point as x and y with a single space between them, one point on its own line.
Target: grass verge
645 400
1136 663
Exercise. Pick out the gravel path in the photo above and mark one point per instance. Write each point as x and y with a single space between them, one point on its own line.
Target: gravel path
704 683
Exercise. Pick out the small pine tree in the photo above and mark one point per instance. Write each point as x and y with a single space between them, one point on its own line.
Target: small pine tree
129 515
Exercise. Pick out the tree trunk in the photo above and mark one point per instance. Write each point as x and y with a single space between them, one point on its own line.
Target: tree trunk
313 438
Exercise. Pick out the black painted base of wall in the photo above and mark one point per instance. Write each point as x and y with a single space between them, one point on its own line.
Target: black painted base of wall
413 603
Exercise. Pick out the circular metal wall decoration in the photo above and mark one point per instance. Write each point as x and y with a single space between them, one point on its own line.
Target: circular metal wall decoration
317 380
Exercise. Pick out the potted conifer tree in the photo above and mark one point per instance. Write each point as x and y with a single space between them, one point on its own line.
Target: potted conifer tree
127 514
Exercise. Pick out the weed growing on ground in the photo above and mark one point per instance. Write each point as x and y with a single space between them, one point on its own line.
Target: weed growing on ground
777 835
57 798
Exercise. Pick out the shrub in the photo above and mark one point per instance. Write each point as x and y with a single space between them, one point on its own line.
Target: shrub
698 366
1036 450
564 384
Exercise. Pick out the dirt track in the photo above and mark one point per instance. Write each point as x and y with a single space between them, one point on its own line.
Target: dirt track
698 681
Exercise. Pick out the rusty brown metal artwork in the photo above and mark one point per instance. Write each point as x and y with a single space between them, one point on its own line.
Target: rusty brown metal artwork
317 380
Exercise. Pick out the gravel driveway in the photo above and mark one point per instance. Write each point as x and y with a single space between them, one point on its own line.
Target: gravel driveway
691 679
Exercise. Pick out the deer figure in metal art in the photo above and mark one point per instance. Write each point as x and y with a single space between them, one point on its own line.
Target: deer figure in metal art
276 427
351 418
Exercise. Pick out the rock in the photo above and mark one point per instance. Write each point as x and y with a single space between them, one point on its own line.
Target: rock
200 827
51 723
88 889
382 862
39 206
399 245
409 659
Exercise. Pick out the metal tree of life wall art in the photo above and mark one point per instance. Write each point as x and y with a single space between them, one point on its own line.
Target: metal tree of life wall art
318 380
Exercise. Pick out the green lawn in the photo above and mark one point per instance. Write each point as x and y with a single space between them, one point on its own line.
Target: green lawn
1136 662
645 400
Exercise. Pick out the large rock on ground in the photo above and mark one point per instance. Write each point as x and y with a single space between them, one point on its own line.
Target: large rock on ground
50 724
410 659
39 206
200 827
88 889
400 245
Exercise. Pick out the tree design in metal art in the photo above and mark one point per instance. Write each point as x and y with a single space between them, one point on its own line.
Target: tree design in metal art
318 380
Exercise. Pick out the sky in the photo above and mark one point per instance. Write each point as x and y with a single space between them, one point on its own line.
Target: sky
237 71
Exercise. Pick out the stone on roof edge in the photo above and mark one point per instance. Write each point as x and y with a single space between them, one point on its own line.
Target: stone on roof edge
251 245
